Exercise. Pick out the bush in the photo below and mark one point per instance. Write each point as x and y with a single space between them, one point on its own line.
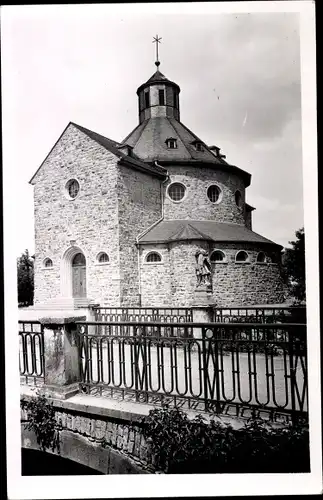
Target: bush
41 420
181 445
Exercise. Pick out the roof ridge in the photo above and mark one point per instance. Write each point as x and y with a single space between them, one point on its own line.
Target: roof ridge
198 231
86 130
133 131
176 231
142 130
197 138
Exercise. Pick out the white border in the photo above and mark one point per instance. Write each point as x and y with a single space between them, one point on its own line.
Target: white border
191 485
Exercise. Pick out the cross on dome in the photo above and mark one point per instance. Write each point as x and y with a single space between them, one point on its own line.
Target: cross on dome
156 40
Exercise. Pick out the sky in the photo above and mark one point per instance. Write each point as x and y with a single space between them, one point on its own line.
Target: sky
240 82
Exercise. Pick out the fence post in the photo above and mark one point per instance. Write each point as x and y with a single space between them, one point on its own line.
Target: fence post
205 369
292 371
61 356
201 314
136 355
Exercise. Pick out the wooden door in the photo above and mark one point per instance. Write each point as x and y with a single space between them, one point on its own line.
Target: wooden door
79 275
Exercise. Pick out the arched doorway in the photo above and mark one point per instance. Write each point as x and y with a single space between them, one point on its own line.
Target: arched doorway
79 275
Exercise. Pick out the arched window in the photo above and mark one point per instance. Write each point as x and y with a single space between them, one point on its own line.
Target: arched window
48 263
72 188
261 257
238 198
153 257
242 256
176 191
213 193
79 260
217 256
103 258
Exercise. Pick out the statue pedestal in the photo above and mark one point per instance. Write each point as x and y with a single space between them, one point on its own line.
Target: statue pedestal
203 308
203 296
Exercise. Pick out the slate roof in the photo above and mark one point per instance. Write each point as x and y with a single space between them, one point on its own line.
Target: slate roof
113 146
183 230
148 142
157 77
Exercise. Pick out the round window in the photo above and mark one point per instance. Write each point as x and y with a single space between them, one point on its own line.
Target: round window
176 191
72 188
213 193
48 263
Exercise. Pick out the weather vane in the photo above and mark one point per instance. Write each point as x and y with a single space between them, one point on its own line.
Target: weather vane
156 40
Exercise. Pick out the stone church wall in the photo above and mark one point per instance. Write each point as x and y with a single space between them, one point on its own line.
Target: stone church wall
139 206
91 219
173 282
156 277
249 283
196 205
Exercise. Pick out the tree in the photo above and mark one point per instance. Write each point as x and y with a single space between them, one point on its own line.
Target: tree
25 275
294 266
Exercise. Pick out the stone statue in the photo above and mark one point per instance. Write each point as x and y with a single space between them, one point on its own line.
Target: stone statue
203 268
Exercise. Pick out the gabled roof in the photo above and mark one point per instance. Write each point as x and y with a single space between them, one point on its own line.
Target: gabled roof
112 147
183 230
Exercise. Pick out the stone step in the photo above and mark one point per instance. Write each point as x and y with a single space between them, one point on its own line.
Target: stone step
63 303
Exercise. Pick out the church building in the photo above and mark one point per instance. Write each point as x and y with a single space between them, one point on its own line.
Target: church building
123 223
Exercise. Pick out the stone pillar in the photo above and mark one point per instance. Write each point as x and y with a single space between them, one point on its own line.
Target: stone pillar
61 356
202 314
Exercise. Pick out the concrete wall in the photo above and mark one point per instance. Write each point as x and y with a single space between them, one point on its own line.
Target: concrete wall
196 205
91 218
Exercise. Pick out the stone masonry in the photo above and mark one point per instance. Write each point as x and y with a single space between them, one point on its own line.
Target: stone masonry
234 283
196 204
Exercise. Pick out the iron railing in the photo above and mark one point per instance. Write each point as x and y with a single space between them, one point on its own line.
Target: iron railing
267 314
31 352
256 366
144 314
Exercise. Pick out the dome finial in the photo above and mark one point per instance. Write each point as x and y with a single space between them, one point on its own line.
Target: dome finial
156 40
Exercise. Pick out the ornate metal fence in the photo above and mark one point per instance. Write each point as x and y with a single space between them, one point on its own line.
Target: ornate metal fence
242 366
268 314
31 352
144 314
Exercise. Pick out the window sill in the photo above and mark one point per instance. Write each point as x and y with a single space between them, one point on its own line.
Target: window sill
102 264
153 263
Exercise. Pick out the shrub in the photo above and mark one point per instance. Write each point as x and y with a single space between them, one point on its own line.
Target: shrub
181 445
41 420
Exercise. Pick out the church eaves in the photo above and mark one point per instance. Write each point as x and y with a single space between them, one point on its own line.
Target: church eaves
179 230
